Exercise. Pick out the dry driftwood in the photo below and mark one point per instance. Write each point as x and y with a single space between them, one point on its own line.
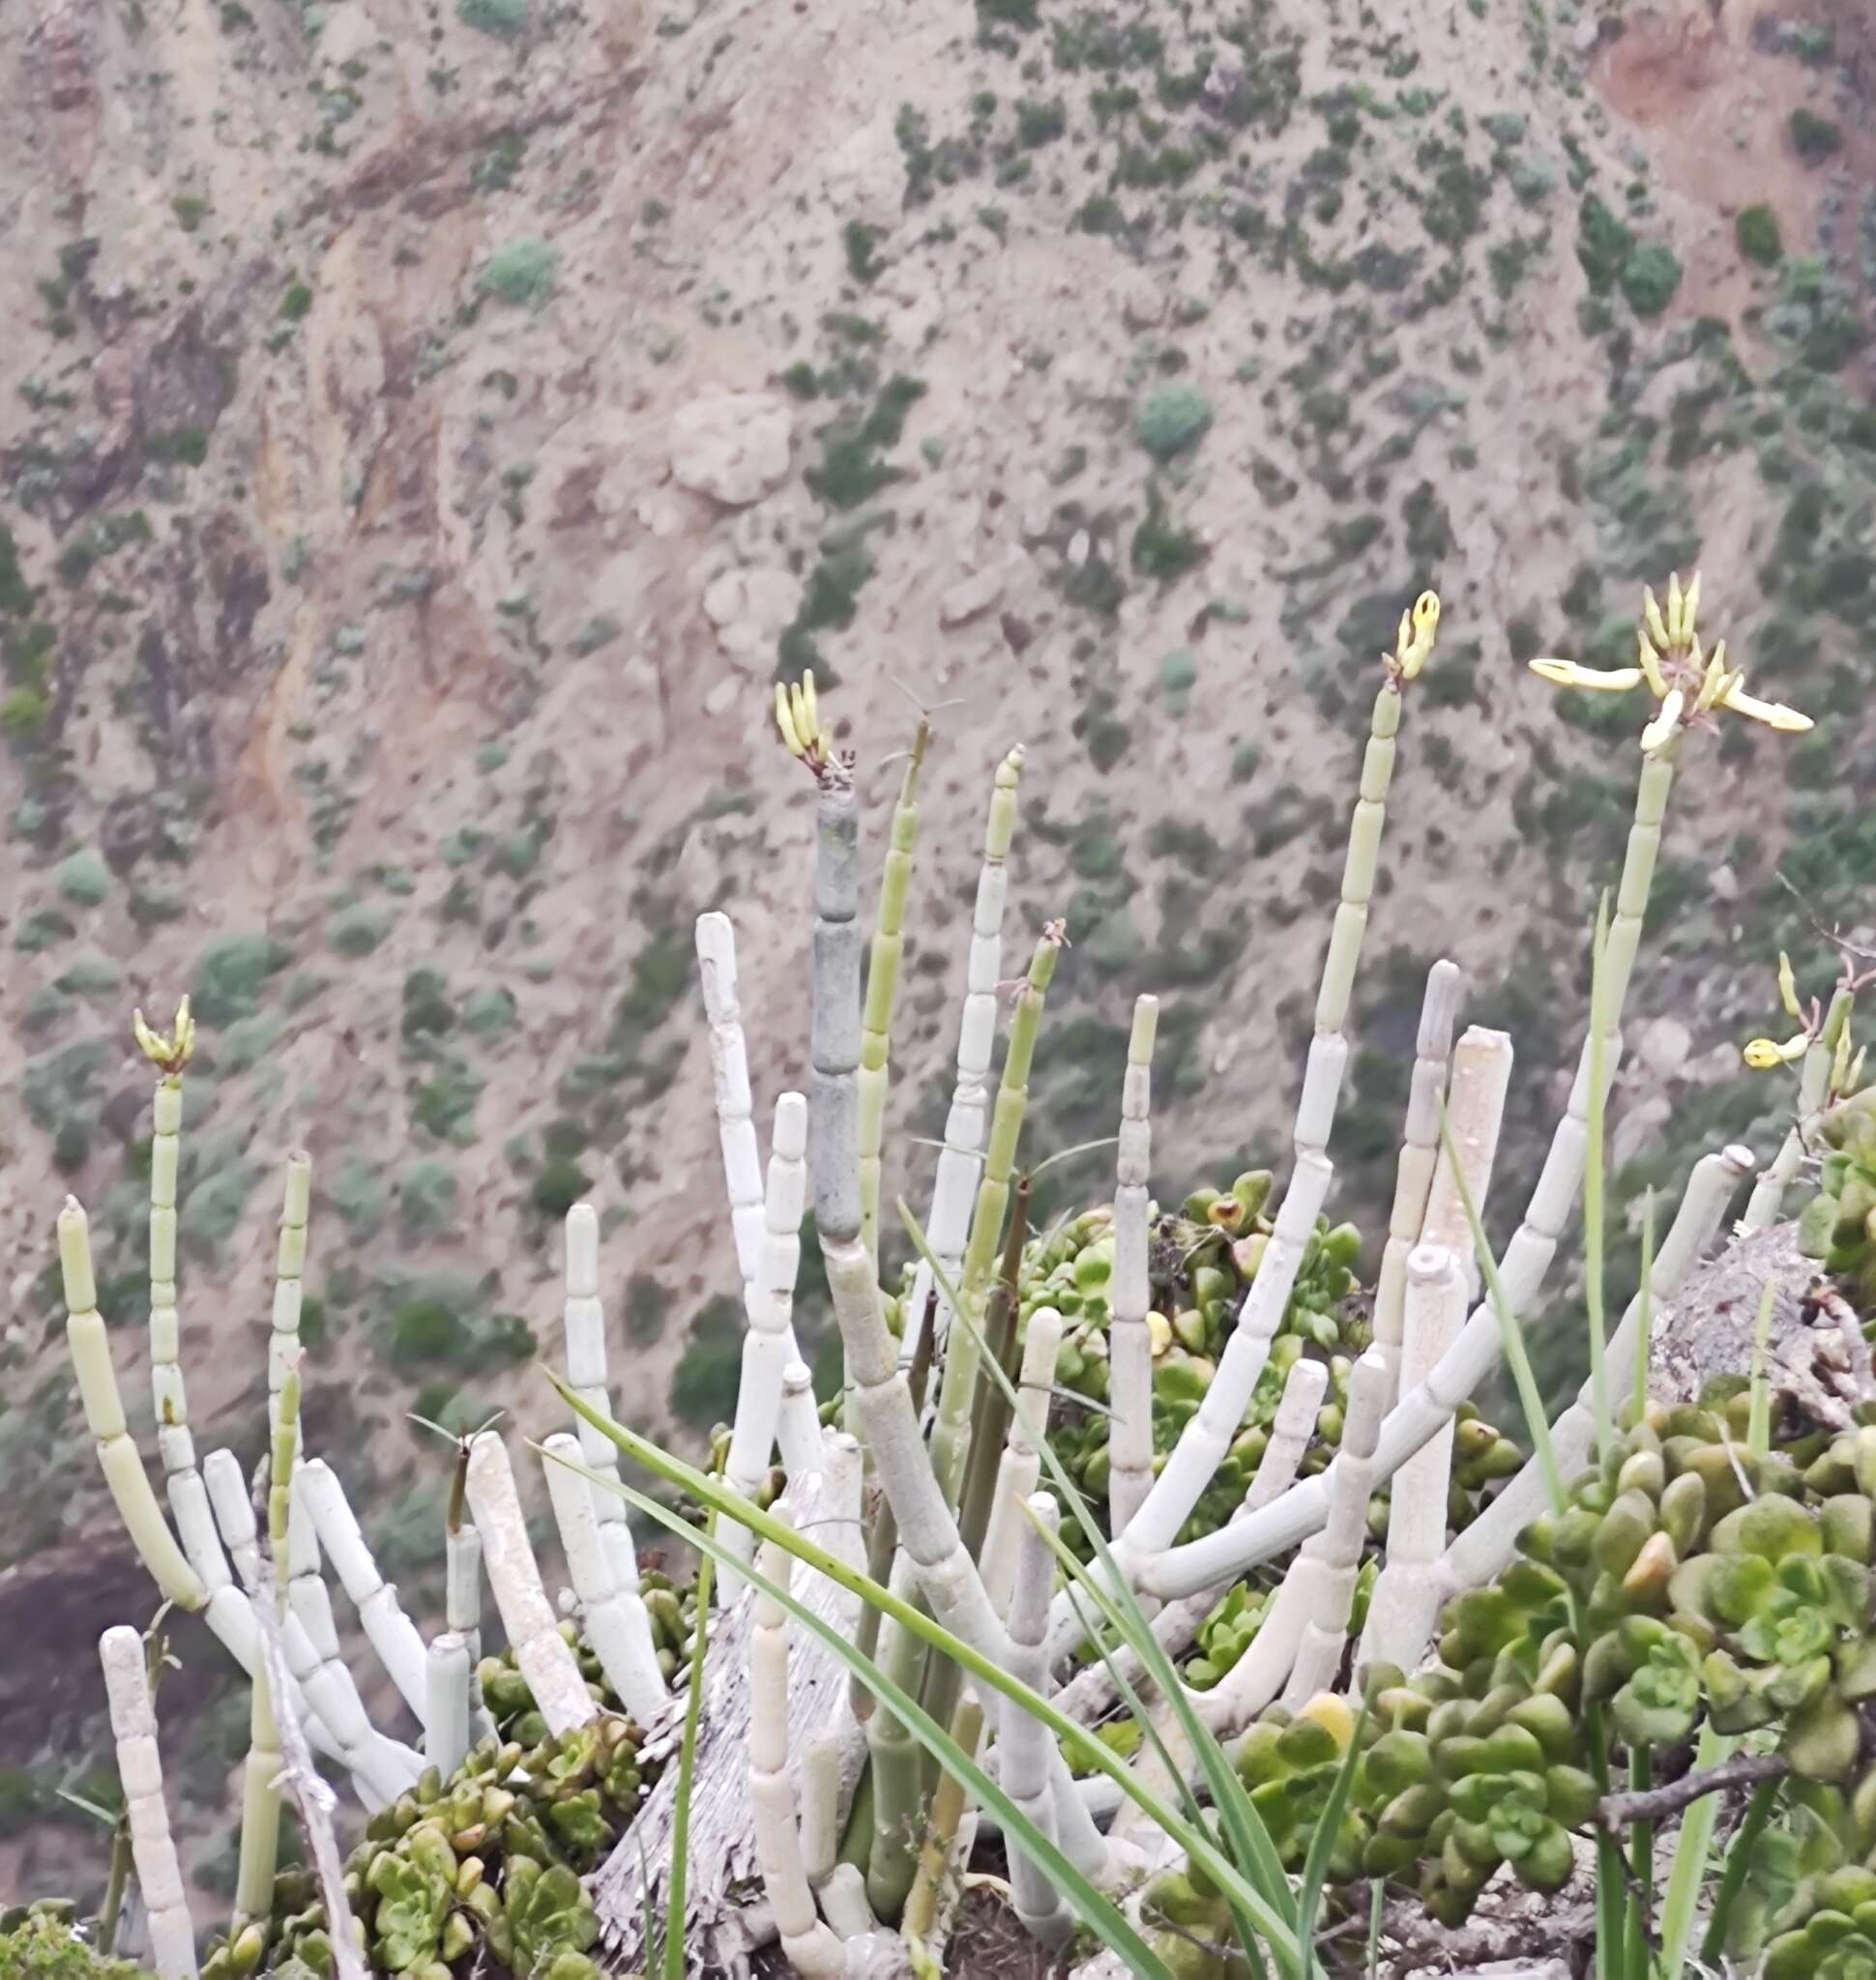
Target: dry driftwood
728 1919
1819 1370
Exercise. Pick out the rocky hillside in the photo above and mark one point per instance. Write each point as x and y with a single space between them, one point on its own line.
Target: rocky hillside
426 429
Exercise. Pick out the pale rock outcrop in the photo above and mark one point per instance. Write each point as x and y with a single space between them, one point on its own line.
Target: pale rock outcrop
731 446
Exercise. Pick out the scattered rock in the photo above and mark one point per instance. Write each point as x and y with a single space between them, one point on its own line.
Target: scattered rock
1639 1129
972 594
751 608
866 176
731 446
1664 1046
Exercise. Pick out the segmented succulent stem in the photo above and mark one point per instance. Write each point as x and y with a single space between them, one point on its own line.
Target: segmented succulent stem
333 1714
729 1064
809 1946
958 1385
614 1619
1202 1445
96 1379
1419 1414
1092 1692
882 986
390 1632
959 1160
1023 1741
260 1803
1768 1196
1020 1465
896 1761
1129 1345
1327 1060
1488 1543
946 1838
168 1396
1420 1154
583 1329
991 1416
1405 1603
445 1702
768 1346
139 1769
1329 1564
1482 1077
798 1426
539 1649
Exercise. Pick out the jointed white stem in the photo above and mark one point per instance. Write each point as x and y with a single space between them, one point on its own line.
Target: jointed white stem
159 1873
1405 1603
539 1649
1421 1411
614 1618
1129 1345
1023 1741
391 1633
1420 1154
1487 1544
583 1327
1020 1465
333 1714
1206 1439
729 1062
445 1702
768 1346
960 1160
809 1946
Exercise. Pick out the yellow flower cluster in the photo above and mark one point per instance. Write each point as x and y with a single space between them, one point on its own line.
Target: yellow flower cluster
1414 642
167 1049
1686 682
1764 1054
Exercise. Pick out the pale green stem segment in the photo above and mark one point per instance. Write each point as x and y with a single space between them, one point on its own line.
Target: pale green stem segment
1365 829
166 1395
882 989
1692 1847
897 1763
960 1160
260 1803
1129 1344
949 1437
1593 1124
1768 1196
123 1467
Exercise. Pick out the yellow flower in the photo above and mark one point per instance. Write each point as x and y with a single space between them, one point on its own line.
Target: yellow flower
798 718
1159 1332
1763 1054
1688 682
1413 641
171 1050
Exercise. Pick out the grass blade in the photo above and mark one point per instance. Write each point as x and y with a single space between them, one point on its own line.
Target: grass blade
1594 1123
675 1892
1687 1872
710 1494
1249 1838
1645 1314
1097 1912
1510 1331
1315 1865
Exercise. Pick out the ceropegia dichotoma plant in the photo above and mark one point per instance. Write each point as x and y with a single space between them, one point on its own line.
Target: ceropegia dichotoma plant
1219 1436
